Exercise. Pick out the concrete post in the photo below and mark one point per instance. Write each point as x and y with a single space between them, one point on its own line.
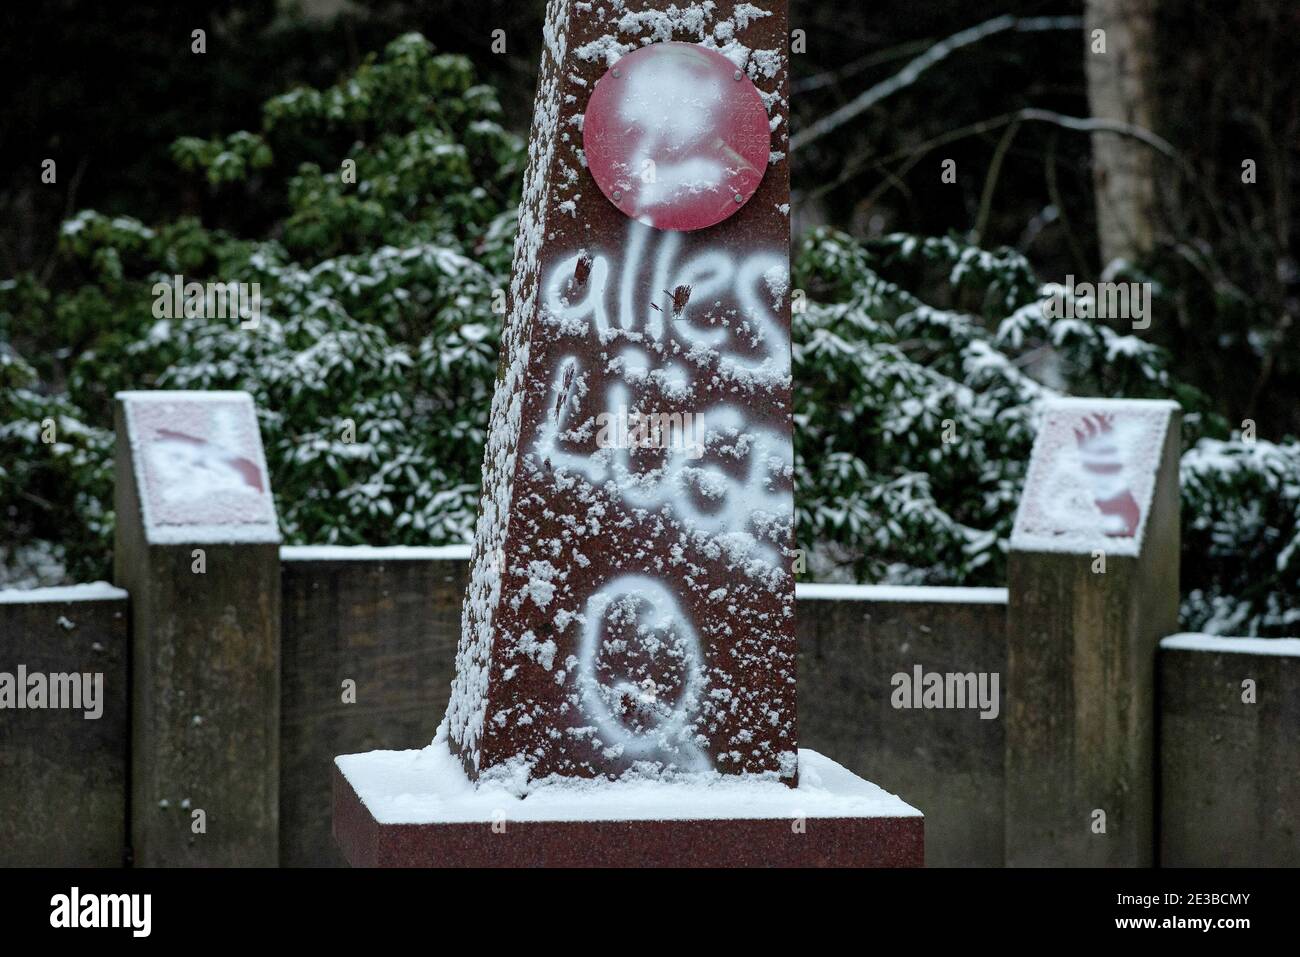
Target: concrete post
197 546
1093 579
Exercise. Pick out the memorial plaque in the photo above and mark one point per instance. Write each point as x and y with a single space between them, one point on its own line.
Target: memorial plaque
1091 475
201 471
676 136
625 678
631 606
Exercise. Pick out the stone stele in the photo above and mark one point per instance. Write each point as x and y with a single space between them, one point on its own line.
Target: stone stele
631 602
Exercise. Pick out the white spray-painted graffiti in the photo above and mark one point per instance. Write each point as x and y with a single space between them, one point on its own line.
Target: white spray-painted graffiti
736 495
654 103
640 672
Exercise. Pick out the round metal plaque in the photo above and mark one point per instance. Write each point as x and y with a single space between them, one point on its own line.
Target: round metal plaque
676 136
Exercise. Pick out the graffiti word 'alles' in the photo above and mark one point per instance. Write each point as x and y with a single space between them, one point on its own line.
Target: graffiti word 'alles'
636 623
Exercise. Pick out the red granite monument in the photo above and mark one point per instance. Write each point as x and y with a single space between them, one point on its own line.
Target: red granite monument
625 681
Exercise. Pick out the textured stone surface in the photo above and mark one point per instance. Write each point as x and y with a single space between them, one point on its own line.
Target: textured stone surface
636 605
63 777
391 627
1229 770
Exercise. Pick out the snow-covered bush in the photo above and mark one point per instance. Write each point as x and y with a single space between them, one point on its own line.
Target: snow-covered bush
914 422
54 466
373 361
1241 537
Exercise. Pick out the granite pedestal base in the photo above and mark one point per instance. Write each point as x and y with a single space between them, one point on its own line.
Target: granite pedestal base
417 809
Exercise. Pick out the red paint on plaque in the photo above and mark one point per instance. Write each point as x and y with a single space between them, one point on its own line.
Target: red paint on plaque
202 470
676 136
1103 464
245 468
1092 475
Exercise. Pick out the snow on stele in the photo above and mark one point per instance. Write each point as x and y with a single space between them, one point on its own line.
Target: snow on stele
632 609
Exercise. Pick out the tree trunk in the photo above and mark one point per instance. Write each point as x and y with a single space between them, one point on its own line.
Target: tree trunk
1120 87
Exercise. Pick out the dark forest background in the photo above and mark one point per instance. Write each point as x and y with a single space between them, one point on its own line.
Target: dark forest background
107 87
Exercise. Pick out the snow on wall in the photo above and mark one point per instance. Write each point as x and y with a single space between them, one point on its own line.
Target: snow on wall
919 594
200 469
1215 644
93 591
1091 476
377 553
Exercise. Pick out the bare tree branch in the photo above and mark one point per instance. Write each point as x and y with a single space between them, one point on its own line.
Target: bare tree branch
908 75
831 77
1028 114
991 182
1090 125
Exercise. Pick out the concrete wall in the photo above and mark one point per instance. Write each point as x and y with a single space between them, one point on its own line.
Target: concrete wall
63 778
1230 752
389 619
947 762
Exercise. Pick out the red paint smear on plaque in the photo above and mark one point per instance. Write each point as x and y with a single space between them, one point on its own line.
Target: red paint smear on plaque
246 469
1104 469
